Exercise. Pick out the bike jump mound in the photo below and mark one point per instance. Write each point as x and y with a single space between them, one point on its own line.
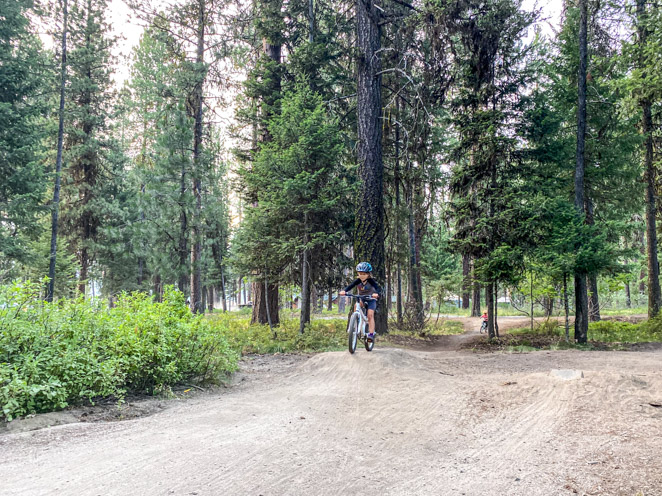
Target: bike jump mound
567 374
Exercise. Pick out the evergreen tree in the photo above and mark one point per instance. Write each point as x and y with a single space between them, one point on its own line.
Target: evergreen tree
642 58
488 176
88 105
23 80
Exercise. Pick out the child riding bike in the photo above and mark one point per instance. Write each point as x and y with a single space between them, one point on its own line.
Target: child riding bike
483 326
367 286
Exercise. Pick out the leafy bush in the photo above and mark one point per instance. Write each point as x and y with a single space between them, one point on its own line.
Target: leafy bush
610 331
54 355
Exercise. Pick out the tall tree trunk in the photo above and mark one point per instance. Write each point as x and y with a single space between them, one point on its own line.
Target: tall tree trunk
197 305
581 296
210 299
369 232
260 315
183 230
314 295
650 175
475 301
398 295
566 307
489 301
156 288
496 309
628 297
594 300
416 301
466 281
84 260
311 21
55 207
223 296
305 291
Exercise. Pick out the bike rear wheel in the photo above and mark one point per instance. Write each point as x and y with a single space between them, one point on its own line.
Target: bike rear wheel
352 333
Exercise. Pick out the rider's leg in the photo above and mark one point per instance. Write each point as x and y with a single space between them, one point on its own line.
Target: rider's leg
371 321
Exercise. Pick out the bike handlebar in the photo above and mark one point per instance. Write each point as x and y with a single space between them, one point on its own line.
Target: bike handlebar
359 297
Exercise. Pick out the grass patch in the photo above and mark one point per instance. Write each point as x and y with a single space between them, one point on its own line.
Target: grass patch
319 335
603 335
624 311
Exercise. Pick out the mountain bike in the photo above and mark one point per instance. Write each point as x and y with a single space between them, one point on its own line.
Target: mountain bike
358 324
483 327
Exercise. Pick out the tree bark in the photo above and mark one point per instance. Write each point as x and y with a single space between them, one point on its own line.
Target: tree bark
259 315
489 301
650 176
566 307
416 301
183 229
594 300
58 160
369 232
196 243
475 301
210 299
305 291
581 296
466 281
398 296
157 288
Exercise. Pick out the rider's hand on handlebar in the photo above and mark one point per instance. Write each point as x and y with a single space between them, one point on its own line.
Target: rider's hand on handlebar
342 293
375 295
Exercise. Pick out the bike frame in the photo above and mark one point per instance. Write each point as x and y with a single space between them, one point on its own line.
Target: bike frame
363 314
358 322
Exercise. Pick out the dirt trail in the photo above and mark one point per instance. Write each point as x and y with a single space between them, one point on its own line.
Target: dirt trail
393 421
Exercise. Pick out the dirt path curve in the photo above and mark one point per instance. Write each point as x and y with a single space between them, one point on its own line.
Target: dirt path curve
393 421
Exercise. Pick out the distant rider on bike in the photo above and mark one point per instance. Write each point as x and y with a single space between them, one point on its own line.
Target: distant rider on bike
367 286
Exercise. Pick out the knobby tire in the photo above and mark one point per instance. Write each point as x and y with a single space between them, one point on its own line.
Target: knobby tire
352 333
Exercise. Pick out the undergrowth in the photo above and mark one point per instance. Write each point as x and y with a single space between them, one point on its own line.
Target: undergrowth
319 335
602 335
57 354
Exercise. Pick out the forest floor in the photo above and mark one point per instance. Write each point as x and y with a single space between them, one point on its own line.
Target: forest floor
437 418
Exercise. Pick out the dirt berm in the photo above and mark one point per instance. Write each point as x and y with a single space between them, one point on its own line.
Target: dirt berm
392 421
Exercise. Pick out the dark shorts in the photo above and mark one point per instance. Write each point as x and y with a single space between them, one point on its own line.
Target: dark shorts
371 304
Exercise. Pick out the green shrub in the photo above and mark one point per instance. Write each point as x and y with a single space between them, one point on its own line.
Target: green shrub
56 354
609 331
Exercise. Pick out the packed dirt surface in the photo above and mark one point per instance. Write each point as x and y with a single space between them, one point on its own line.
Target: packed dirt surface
392 421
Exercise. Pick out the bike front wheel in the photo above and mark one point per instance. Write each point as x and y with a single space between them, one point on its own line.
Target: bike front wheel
352 333
369 345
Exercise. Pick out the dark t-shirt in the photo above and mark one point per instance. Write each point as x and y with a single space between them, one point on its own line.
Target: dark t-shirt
366 289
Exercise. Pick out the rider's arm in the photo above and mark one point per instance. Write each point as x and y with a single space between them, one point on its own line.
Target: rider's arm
377 287
351 286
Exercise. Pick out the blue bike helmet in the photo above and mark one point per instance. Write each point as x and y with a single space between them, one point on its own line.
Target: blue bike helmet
364 267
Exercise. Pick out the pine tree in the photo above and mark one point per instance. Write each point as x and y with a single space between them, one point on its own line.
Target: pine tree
487 175
88 105
22 84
